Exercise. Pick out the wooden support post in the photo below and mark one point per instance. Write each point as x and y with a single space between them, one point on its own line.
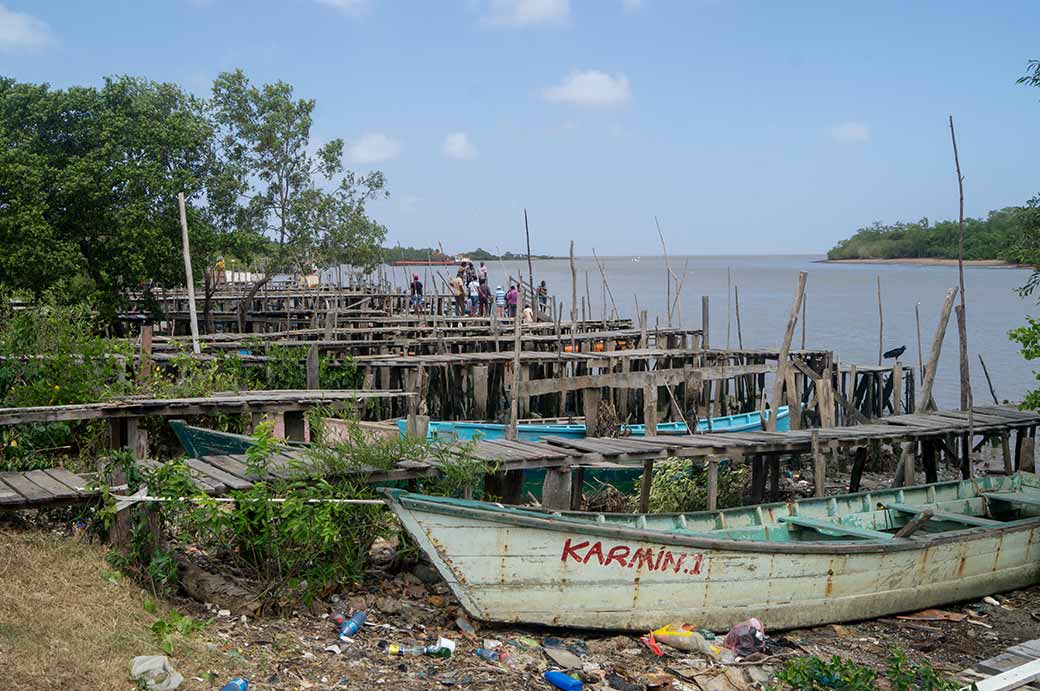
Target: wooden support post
933 358
136 438
909 461
146 352
931 470
819 465
774 478
188 279
897 389
1005 451
313 368
705 322
758 479
965 456
650 408
713 483
1026 459
417 426
785 349
577 486
590 404
556 489
859 462
514 393
645 482
480 392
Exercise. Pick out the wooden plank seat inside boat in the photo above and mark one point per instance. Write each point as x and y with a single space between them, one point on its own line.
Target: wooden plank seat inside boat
1016 498
941 516
826 527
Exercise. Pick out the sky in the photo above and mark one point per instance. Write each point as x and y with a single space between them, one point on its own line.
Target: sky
743 126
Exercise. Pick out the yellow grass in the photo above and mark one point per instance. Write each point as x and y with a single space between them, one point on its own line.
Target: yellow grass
65 625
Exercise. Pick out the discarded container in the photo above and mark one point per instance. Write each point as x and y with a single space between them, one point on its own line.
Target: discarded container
746 638
236 684
684 637
563 681
443 648
351 626
154 672
493 655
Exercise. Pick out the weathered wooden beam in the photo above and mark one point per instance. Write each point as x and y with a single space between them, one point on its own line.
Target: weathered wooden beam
933 357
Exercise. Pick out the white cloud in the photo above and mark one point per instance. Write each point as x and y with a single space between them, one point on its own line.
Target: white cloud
354 7
527 12
631 5
22 33
593 89
457 145
851 132
374 148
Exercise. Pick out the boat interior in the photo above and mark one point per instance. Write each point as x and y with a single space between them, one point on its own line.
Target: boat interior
975 504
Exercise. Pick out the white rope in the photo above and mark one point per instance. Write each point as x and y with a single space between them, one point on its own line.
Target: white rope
232 500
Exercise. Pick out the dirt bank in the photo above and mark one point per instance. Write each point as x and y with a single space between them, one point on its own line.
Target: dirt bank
67 620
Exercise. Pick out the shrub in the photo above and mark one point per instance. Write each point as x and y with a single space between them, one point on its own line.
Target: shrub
678 486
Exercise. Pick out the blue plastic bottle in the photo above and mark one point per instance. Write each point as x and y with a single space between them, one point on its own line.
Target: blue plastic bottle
352 626
236 684
562 681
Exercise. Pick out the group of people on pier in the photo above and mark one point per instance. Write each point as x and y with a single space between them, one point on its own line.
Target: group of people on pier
474 297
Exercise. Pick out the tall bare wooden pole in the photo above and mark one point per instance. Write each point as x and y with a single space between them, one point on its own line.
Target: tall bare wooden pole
669 276
920 357
530 272
881 323
736 300
574 298
193 316
729 307
962 329
785 350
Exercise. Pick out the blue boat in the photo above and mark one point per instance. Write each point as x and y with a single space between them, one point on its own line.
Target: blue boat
465 431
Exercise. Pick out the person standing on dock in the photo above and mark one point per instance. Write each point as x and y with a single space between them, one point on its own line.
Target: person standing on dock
482 273
543 297
511 297
500 301
417 293
458 289
474 296
484 298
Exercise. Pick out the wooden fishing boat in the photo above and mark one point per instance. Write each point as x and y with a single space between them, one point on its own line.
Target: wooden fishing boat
529 431
791 565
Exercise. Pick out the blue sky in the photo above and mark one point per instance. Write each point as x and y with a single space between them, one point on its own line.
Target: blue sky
744 126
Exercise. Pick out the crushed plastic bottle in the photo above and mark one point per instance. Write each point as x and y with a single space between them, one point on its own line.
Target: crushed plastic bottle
562 681
443 648
351 626
493 655
236 684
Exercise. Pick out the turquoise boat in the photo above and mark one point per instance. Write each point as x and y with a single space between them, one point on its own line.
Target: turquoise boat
465 431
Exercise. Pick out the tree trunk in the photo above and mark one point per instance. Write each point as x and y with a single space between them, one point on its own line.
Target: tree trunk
243 304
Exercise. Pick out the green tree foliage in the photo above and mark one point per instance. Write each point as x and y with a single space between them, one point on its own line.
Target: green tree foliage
88 185
998 236
303 199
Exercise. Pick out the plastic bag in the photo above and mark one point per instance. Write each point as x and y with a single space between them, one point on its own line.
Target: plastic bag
685 637
154 673
746 638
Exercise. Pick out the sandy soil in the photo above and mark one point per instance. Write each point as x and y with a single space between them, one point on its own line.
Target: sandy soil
929 261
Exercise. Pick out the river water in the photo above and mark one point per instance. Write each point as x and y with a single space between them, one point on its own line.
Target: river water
842 311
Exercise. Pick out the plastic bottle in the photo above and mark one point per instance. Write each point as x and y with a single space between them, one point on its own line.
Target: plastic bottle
236 684
351 626
492 655
563 681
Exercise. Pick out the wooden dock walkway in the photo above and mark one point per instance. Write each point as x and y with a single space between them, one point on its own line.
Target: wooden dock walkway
219 474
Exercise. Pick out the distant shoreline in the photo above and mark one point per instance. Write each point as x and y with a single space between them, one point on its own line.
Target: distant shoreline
930 261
